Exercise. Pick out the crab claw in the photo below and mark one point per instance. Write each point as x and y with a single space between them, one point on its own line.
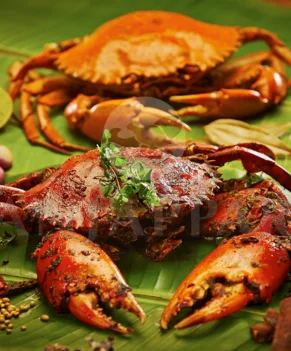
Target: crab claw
76 274
249 267
129 121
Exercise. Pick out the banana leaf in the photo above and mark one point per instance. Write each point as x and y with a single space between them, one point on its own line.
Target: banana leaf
25 26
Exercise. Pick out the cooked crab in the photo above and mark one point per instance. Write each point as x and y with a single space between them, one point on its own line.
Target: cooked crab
78 275
154 54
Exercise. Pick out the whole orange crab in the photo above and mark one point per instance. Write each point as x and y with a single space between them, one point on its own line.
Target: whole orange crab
149 53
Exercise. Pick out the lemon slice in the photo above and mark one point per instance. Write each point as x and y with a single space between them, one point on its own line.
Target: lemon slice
6 107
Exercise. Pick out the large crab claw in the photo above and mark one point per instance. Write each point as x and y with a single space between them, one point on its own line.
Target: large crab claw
76 274
249 267
129 121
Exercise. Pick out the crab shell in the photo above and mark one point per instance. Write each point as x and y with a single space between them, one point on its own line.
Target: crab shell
148 44
72 198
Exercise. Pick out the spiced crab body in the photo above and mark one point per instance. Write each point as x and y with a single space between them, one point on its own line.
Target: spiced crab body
79 276
72 197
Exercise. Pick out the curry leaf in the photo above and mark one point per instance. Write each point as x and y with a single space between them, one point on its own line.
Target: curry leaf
278 129
231 131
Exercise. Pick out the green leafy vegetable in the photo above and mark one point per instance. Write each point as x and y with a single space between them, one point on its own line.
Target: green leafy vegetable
123 180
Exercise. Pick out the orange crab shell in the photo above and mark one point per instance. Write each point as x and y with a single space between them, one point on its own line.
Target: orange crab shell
148 44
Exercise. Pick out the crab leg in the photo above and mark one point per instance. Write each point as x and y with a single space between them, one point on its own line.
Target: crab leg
55 90
47 84
51 133
16 288
255 158
194 151
16 85
46 59
82 276
57 98
276 45
92 116
29 125
11 214
58 90
249 267
43 60
253 162
21 72
267 86
8 193
28 181
245 70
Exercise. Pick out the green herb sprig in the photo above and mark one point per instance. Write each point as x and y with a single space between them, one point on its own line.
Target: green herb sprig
123 180
253 179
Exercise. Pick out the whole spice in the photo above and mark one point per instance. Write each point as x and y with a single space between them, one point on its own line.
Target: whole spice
44 318
9 311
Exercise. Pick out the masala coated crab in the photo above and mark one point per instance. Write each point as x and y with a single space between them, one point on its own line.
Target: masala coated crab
155 54
77 275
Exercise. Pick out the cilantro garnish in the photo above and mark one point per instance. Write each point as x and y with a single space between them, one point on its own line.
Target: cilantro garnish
253 179
123 180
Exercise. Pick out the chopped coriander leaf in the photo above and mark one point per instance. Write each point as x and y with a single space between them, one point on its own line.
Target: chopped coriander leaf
253 179
123 180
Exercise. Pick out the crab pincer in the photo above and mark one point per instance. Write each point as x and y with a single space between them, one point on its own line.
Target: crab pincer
76 275
247 268
129 120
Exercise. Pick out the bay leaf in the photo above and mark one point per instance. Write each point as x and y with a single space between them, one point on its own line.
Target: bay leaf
278 129
231 131
6 107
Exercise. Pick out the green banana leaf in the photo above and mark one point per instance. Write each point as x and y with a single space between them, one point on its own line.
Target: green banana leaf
25 26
